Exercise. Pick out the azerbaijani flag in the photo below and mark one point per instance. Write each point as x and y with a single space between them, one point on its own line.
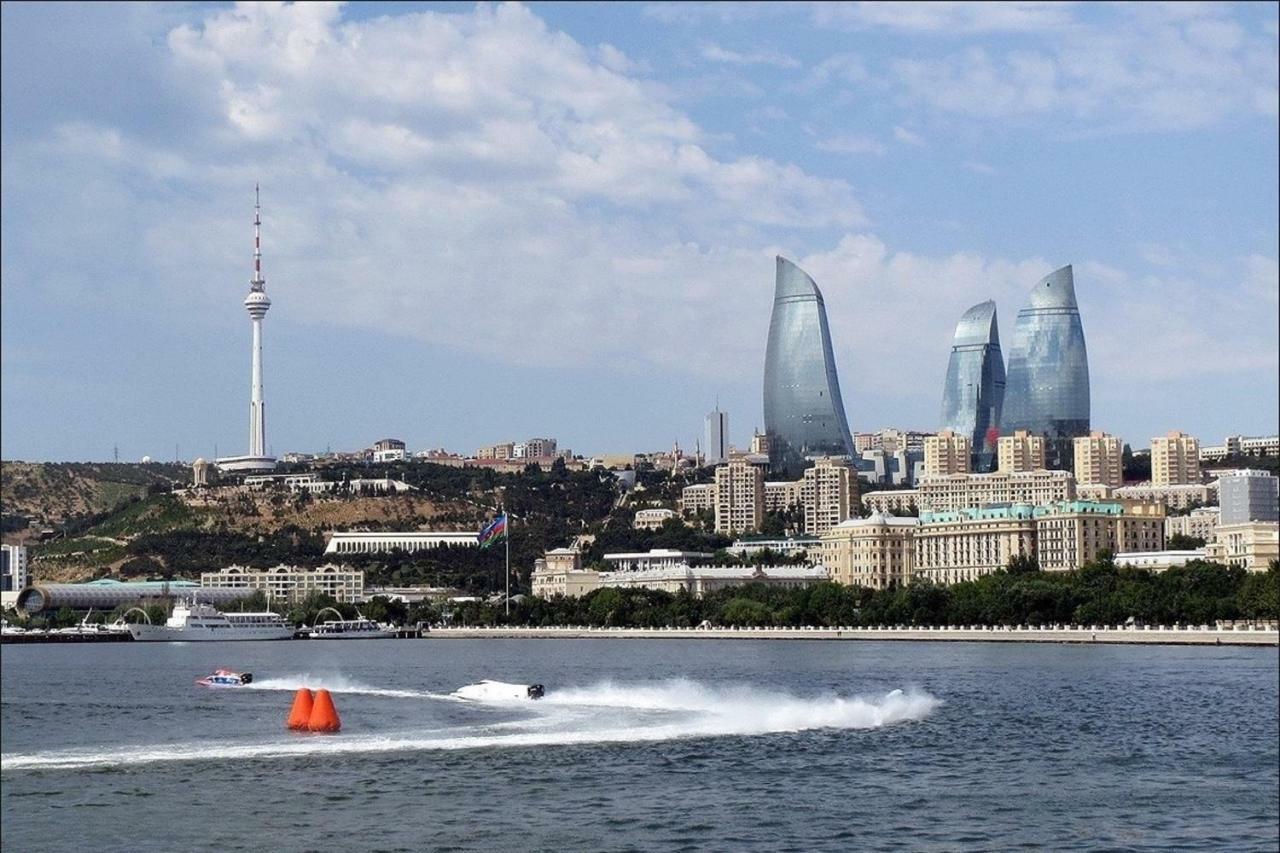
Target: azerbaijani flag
494 531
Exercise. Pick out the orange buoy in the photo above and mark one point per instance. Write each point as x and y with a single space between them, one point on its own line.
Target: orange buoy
324 717
300 715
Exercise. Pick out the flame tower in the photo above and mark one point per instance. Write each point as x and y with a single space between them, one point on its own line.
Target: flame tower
256 303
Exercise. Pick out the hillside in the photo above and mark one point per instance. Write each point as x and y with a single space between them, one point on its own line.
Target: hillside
185 532
35 495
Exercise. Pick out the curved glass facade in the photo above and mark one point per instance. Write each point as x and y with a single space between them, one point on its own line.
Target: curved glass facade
1048 383
974 391
803 411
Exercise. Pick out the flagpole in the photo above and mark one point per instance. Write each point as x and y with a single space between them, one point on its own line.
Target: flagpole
506 522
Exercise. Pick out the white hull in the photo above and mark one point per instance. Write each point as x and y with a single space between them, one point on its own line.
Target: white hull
354 635
166 634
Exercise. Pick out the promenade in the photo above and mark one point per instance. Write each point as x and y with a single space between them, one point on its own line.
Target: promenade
1203 635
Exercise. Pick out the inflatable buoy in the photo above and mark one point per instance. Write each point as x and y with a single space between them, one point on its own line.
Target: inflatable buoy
300 715
324 717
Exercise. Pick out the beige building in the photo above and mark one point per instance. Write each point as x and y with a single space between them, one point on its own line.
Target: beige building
962 491
947 453
962 545
875 552
892 502
760 444
1098 460
828 493
291 583
694 499
560 572
781 495
1019 452
1072 533
1200 523
652 519
739 502
1175 460
1173 497
497 451
1252 545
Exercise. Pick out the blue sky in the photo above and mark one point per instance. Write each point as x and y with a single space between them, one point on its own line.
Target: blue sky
499 221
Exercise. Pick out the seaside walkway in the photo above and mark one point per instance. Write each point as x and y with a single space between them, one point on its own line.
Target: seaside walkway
1168 635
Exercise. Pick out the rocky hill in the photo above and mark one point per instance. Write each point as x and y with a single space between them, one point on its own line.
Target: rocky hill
50 494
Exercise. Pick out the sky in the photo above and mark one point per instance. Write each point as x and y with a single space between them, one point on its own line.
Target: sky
493 222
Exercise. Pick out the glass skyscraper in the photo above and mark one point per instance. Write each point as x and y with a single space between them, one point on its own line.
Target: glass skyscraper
974 391
1048 383
803 412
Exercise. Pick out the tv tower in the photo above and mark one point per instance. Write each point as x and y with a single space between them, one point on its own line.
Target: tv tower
257 303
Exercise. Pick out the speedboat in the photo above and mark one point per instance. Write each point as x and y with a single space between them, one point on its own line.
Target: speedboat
498 691
225 678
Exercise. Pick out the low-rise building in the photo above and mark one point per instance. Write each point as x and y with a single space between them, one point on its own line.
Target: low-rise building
384 541
291 583
964 491
389 450
699 498
1072 533
1252 545
1248 495
964 544
657 558
787 546
1240 445
892 502
652 519
703 579
875 552
1158 561
1199 523
560 572
1185 496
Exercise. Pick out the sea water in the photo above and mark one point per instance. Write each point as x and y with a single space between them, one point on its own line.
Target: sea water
642 745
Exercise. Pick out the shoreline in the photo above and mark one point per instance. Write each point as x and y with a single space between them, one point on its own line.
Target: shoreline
1120 636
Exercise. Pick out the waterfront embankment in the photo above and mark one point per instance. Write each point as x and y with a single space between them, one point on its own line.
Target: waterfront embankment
1155 635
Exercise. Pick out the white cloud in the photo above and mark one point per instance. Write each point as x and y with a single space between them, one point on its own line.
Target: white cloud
716 53
1161 68
979 167
907 137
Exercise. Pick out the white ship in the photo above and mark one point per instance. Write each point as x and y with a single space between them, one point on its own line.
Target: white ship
349 629
194 622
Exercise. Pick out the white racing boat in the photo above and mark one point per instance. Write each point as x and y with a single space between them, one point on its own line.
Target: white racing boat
226 678
498 691
195 622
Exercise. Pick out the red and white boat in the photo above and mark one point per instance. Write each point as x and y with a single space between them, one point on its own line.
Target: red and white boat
225 678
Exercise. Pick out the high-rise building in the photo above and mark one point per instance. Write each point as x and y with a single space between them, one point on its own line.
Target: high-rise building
948 452
973 395
256 303
804 413
828 492
715 437
1248 495
760 444
1175 459
739 497
1022 451
13 568
1047 387
1098 460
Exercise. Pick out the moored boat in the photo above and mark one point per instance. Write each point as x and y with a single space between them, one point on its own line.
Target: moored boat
349 629
196 622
